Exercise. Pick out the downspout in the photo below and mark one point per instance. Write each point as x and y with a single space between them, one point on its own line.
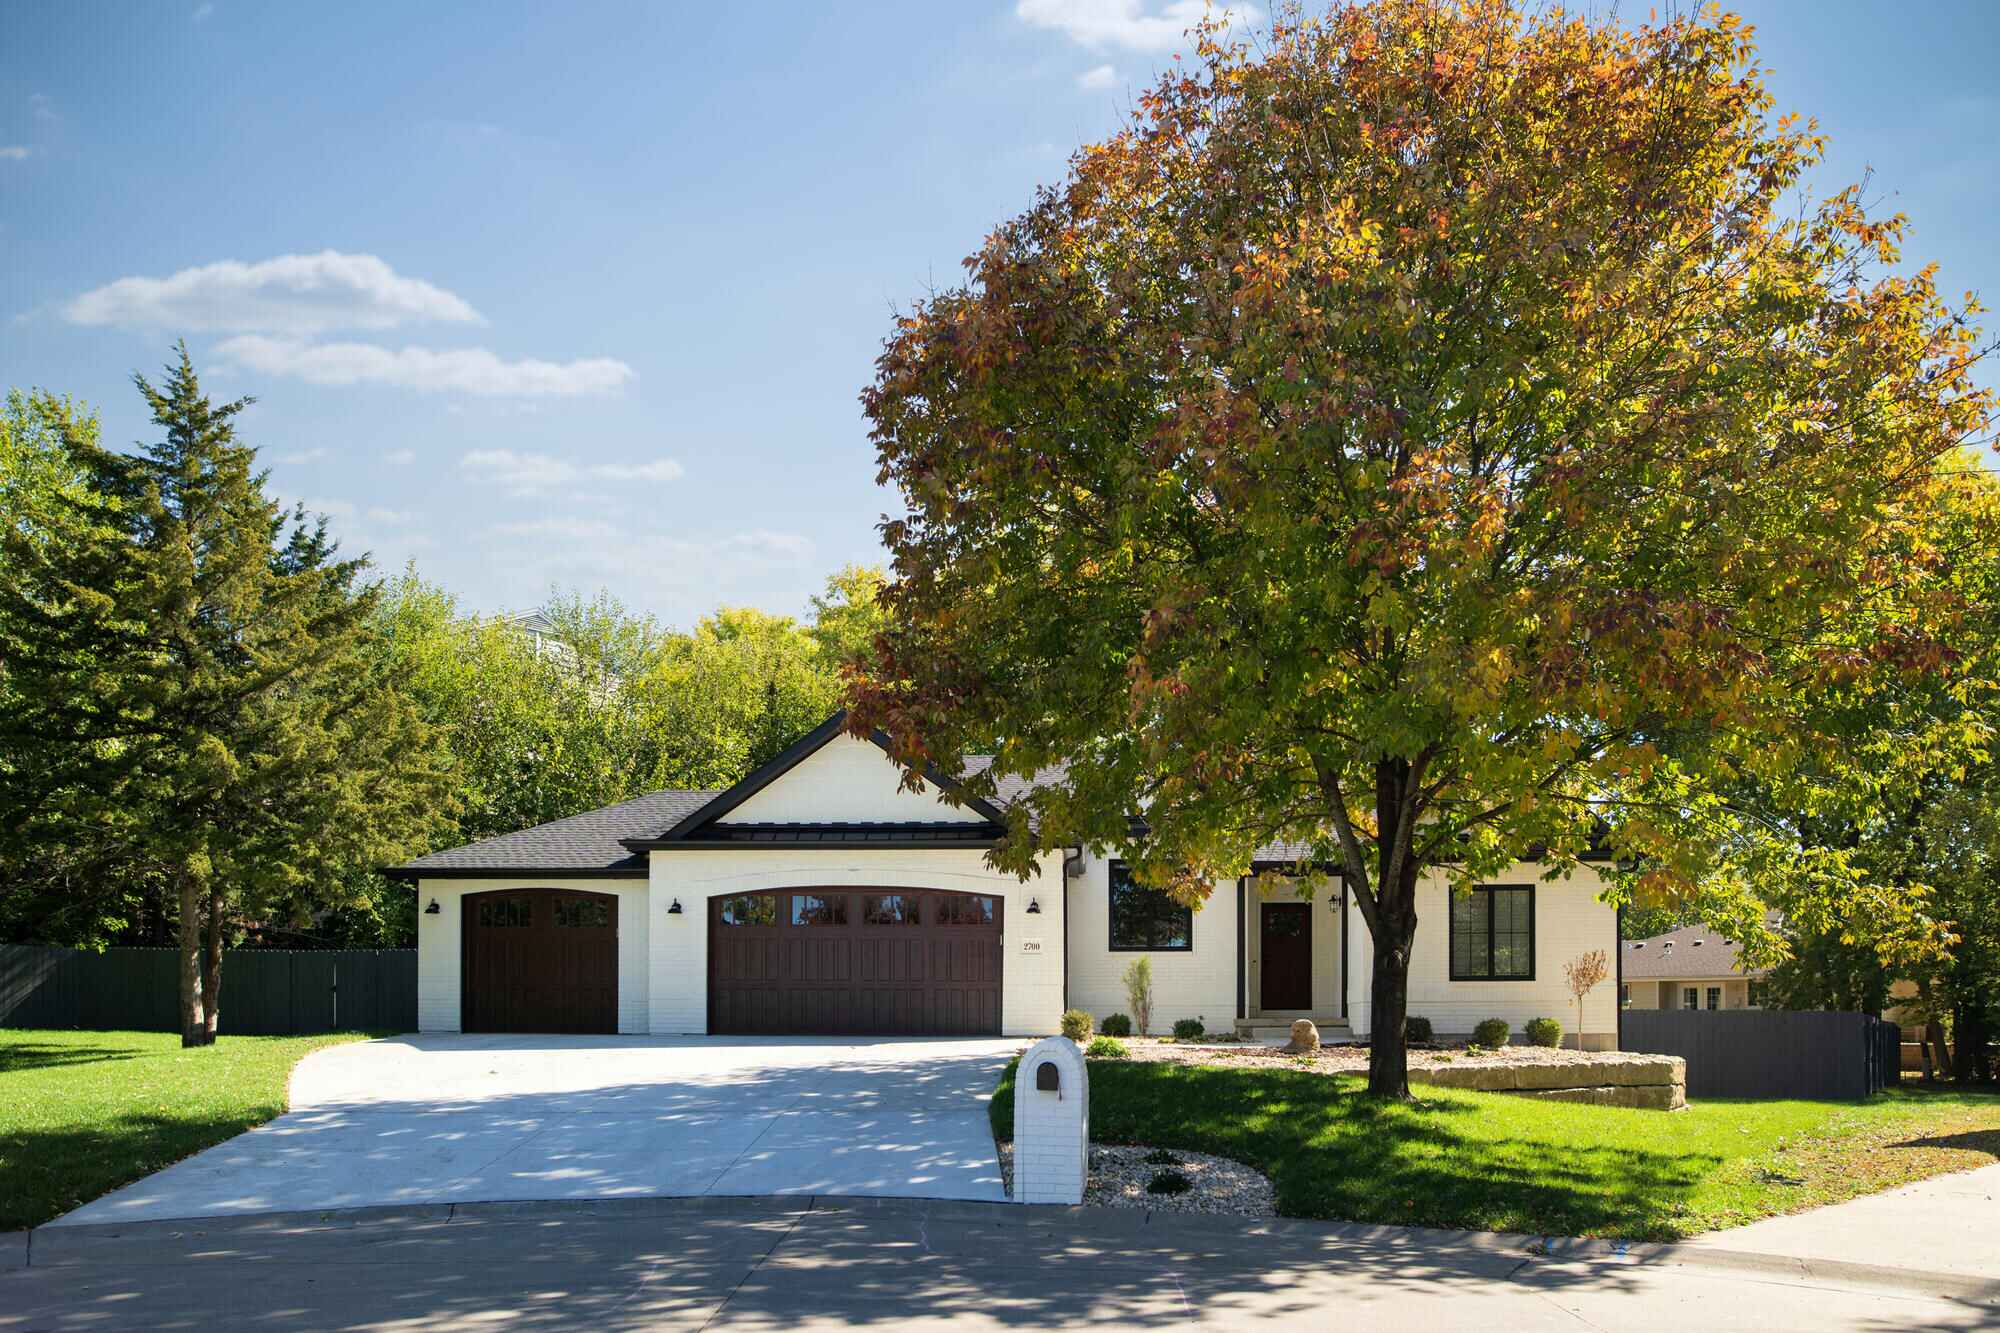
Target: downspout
1241 880
1065 892
1617 992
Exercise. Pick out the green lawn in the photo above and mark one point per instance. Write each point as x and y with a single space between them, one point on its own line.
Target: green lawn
1489 1161
82 1113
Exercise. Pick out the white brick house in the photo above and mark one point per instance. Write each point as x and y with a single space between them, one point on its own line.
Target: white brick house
818 896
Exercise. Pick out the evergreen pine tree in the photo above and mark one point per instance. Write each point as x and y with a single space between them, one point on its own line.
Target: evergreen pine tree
193 691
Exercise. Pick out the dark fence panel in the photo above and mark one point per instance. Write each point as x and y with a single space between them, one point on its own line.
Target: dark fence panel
1770 1052
267 992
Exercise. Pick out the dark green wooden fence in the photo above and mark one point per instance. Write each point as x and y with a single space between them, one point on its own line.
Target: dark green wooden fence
269 992
1770 1052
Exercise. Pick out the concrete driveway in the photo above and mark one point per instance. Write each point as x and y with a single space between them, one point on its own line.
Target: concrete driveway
459 1119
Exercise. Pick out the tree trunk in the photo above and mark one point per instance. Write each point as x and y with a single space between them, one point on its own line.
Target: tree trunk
1937 1059
194 1029
211 972
1969 1040
1389 992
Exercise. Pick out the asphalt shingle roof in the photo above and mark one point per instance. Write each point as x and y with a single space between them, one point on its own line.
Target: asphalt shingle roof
589 841
1688 954
592 841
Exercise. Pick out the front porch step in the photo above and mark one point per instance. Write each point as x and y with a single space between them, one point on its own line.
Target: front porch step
1266 1029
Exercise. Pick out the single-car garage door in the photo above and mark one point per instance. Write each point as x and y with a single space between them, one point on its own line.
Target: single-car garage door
540 960
883 961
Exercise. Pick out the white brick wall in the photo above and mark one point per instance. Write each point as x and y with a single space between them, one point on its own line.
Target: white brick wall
439 954
1569 919
1031 983
1051 1129
1198 983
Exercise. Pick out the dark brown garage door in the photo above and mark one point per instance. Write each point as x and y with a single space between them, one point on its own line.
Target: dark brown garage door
540 960
882 961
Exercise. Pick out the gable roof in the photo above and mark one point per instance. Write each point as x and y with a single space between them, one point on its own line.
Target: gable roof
695 825
1691 953
591 843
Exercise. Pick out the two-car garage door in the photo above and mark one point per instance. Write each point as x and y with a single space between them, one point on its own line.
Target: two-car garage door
870 961
884 961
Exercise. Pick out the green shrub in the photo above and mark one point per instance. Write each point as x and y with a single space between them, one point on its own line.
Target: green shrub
1544 1032
1189 1029
1491 1032
1417 1031
1076 1025
1106 1048
1168 1182
1115 1025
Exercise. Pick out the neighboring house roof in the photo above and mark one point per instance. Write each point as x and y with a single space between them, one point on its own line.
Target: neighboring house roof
1692 953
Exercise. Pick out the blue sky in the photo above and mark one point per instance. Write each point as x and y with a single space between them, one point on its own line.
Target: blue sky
589 290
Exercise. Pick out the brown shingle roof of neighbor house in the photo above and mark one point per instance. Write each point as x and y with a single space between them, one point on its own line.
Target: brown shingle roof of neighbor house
1691 953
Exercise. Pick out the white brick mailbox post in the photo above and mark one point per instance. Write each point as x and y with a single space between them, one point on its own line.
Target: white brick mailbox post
1051 1123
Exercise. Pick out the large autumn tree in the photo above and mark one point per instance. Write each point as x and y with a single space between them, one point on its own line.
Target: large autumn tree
1395 437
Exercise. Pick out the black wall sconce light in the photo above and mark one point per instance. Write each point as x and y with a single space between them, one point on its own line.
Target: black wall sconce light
1034 907
675 910
433 909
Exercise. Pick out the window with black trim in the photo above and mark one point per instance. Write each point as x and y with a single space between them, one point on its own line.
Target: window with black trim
1493 933
1145 920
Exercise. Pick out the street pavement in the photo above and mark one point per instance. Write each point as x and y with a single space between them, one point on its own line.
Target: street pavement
819 1263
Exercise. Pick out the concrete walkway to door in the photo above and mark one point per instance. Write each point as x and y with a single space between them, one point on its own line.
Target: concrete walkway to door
459 1119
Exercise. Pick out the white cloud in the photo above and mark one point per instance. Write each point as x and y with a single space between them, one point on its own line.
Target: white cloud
291 294
564 529
526 473
473 370
548 549
378 514
1098 78
202 13
41 107
1135 25
330 508
14 152
301 456
400 457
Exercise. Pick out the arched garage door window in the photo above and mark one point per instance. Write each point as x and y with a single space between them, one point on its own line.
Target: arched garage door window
540 960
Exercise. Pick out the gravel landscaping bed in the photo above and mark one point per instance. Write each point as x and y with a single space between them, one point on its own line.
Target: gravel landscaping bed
1119 1174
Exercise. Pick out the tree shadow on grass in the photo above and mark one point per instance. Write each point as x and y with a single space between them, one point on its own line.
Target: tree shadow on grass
1334 1154
46 1172
16 1056
1973 1140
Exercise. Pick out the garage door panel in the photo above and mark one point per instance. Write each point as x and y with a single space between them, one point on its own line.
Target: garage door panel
887 961
539 960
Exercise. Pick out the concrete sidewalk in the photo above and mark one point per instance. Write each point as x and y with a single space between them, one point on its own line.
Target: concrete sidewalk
1947 1224
836 1263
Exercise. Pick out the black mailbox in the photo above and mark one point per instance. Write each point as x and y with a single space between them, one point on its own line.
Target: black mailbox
1047 1077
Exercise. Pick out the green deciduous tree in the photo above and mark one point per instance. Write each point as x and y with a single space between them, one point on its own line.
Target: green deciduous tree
192 691
1437 433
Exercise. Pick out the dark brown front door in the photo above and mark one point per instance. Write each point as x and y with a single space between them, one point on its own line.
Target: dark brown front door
540 960
881 961
1285 950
